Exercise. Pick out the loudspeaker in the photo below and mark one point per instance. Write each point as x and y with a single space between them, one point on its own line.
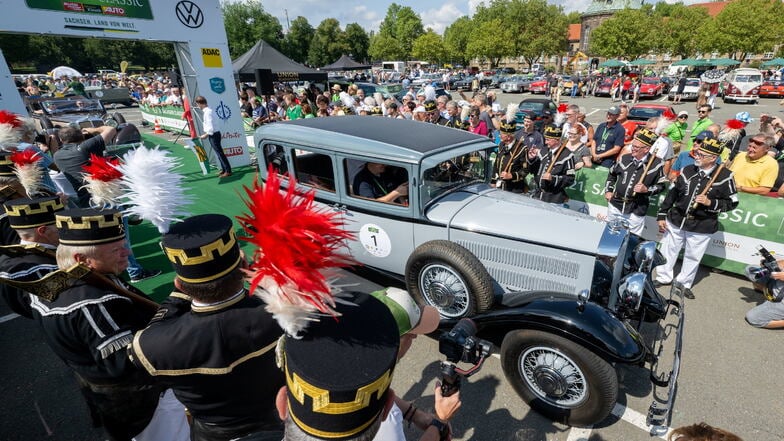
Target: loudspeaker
264 82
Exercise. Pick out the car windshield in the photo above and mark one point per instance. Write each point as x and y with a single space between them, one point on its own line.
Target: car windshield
753 78
531 107
644 113
694 82
55 107
454 172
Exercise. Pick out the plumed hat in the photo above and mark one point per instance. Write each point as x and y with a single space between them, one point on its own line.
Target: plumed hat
89 226
553 131
31 213
645 136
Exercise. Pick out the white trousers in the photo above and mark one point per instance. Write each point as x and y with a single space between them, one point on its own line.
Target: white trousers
168 423
671 244
636 223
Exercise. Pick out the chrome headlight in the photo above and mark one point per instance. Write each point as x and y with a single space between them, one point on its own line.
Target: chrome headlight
644 256
630 292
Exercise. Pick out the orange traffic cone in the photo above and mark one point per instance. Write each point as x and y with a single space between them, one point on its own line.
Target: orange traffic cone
157 128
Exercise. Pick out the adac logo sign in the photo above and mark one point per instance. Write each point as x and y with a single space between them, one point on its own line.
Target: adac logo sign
189 14
217 85
211 56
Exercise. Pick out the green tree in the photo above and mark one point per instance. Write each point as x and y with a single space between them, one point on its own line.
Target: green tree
623 35
297 43
396 34
456 38
574 17
676 32
246 23
429 47
329 43
743 27
358 42
490 41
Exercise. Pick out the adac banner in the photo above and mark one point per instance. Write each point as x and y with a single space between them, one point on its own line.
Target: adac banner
758 220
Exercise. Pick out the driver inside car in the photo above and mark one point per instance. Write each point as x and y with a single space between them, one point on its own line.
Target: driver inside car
381 183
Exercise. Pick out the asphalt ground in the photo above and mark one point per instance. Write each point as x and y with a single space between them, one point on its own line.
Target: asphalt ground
729 376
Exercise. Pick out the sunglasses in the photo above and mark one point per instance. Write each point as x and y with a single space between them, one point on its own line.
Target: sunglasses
474 116
572 134
683 117
703 111
756 142
699 154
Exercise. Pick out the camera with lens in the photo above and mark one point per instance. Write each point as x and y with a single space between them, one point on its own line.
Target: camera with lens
461 345
761 275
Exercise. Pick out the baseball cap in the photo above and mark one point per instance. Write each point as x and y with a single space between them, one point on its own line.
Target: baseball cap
683 113
410 318
705 134
614 110
744 117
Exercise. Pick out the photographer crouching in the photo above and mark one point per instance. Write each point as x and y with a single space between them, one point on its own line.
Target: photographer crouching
770 278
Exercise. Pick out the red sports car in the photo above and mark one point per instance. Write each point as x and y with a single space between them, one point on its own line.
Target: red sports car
538 86
640 113
604 88
651 86
772 89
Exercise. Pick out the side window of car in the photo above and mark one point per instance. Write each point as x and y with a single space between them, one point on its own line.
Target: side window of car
376 181
314 170
275 156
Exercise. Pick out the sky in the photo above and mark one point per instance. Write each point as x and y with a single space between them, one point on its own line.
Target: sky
436 14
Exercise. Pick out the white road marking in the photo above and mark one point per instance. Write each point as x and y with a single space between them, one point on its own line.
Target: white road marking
8 317
592 112
579 434
663 98
635 418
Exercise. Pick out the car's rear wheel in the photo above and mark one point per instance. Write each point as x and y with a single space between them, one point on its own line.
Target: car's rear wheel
447 276
559 378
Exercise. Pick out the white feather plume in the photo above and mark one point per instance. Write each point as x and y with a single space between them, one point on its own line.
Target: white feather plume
511 109
8 134
154 191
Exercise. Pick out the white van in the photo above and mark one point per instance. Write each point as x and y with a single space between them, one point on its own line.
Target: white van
396 66
742 86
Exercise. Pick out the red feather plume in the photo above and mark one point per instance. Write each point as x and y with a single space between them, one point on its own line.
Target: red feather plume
668 114
102 168
295 244
735 124
25 157
7 117
562 108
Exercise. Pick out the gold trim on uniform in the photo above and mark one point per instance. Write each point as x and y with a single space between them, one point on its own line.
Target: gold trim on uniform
179 256
20 210
136 350
321 403
87 222
320 433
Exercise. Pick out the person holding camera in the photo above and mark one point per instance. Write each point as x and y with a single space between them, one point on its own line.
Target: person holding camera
769 314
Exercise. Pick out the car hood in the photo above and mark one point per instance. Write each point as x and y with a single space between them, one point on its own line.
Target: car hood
484 209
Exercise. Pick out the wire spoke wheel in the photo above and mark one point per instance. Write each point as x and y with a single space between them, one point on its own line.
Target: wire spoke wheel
553 376
444 289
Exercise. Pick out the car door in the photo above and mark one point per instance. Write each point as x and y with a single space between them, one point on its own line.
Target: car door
384 230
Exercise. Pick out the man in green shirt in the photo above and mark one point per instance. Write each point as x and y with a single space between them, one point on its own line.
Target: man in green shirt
75 86
702 123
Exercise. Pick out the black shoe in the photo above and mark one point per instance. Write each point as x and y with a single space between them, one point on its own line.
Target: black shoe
687 293
658 284
145 274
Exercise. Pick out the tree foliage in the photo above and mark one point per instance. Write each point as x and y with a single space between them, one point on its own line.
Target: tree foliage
676 32
358 42
744 27
490 41
396 34
329 43
625 34
456 38
297 43
429 47
246 23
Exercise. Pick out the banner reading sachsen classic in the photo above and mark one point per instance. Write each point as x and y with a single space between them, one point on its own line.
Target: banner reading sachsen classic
755 222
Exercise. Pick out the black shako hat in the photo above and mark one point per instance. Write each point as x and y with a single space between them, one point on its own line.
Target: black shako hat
202 248
712 147
509 127
31 213
338 373
430 106
89 226
645 136
552 131
6 165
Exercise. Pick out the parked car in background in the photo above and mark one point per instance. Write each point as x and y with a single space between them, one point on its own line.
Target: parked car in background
651 87
641 113
465 83
772 89
742 86
427 78
516 84
538 86
604 88
690 91
565 302
536 106
567 82
110 95
667 83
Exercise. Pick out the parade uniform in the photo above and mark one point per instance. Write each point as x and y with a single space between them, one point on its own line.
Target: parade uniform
691 226
219 358
562 172
456 123
89 328
511 158
622 178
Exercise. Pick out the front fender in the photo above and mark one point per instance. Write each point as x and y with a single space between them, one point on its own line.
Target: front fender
589 325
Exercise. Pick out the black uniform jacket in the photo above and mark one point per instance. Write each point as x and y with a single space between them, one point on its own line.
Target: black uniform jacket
512 159
625 174
554 190
678 205
89 328
27 268
218 359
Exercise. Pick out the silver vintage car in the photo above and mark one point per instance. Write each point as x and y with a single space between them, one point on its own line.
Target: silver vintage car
563 295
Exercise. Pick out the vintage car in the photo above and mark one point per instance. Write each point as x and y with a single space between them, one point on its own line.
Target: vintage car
51 114
690 91
641 113
604 88
772 89
516 84
651 87
110 95
563 295
536 106
539 85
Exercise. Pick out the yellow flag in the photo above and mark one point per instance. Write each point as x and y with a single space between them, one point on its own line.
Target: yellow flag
123 66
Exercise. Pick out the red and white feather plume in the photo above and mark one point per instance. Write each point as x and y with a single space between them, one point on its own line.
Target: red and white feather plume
731 132
296 248
665 120
560 117
27 170
10 128
103 180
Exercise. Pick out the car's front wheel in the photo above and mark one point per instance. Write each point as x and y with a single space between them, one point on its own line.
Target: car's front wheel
449 277
559 378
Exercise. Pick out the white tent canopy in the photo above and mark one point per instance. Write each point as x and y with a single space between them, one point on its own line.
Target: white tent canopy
60 71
